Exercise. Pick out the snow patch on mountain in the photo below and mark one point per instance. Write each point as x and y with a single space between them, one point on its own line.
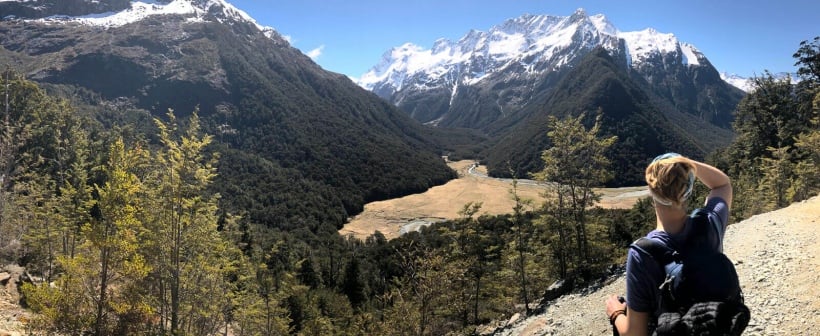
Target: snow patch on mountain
643 44
141 9
603 25
689 54
737 81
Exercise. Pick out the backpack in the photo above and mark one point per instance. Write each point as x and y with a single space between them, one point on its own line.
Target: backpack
701 293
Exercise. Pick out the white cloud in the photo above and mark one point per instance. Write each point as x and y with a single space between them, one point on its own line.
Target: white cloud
288 38
315 53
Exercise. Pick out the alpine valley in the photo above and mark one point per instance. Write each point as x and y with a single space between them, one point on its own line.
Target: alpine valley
275 110
299 151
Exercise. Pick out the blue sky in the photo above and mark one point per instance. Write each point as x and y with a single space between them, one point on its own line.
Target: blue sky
350 36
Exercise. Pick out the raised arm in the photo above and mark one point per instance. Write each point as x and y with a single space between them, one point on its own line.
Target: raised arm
717 181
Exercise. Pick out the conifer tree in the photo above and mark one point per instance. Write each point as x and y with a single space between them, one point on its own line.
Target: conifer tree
353 286
806 182
97 291
19 98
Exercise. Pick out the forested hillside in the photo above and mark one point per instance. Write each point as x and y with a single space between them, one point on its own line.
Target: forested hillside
133 224
599 85
269 106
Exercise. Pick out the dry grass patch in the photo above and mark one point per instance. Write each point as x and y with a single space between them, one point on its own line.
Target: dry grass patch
445 201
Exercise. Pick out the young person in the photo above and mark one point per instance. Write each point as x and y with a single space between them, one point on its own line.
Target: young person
670 178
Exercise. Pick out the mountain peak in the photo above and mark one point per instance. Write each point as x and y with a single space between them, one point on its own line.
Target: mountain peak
579 14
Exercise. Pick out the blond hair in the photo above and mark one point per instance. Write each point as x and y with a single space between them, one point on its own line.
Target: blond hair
670 180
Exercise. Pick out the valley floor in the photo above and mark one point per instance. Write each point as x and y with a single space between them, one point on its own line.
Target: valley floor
443 202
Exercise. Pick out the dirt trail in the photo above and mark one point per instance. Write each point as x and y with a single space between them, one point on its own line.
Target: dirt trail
776 256
444 202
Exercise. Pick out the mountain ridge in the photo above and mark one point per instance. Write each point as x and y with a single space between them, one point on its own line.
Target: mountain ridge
521 38
518 59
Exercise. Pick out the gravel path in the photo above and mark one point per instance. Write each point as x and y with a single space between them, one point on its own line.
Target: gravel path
776 256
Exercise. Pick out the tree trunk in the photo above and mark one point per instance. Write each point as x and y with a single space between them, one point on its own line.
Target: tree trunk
477 296
175 273
522 265
98 325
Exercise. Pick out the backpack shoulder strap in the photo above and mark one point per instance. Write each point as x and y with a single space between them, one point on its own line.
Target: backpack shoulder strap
659 251
708 226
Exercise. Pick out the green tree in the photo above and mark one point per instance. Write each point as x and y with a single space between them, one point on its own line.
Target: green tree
772 157
114 234
54 189
761 120
777 168
574 164
98 289
521 242
463 253
806 182
21 99
189 256
353 286
259 304
423 301
808 60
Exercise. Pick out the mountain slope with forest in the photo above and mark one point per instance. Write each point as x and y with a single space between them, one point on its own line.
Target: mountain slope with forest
598 85
277 116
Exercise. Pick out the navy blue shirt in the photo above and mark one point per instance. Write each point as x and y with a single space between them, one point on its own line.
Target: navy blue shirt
644 275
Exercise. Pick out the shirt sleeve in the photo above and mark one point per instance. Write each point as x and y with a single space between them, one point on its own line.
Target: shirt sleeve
718 211
642 274
718 206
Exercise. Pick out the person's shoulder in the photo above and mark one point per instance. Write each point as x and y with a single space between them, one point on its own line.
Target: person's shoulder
661 236
717 209
712 203
657 234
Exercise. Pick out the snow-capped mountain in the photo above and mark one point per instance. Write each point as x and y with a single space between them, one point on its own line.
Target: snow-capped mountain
737 81
518 59
533 38
747 84
115 13
527 40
